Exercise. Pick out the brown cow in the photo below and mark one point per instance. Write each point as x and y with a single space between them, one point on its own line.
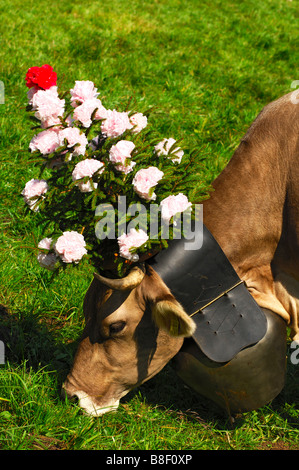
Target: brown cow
135 326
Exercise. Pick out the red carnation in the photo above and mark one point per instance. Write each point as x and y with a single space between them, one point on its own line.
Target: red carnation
42 77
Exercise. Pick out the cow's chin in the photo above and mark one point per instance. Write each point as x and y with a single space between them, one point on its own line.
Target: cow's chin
90 407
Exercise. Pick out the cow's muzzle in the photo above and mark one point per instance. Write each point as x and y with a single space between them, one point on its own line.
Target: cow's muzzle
88 404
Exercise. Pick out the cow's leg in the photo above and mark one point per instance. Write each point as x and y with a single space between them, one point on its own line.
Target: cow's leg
287 292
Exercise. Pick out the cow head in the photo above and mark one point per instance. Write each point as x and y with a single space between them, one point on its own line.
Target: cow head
134 326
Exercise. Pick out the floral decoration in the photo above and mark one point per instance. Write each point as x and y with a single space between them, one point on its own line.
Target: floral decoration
87 154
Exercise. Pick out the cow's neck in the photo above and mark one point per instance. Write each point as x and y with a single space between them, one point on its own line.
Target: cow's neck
242 214
247 211
254 211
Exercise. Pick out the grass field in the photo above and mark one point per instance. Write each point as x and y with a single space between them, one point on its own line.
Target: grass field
208 68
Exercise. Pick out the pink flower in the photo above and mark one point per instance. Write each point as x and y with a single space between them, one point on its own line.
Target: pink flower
101 112
84 112
134 239
145 180
87 167
82 91
34 189
45 259
139 122
71 247
73 137
164 148
172 205
30 93
119 153
45 244
48 106
46 142
115 124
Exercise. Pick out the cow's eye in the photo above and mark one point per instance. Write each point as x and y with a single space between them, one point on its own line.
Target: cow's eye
116 327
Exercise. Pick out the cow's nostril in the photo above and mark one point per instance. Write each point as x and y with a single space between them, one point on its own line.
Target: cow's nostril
73 399
68 397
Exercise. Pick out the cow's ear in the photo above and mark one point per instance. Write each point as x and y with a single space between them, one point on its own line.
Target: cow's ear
170 316
167 313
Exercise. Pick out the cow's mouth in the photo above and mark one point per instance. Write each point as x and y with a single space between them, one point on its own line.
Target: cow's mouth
91 407
89 404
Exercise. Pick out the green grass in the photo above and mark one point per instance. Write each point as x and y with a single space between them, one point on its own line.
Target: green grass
208 68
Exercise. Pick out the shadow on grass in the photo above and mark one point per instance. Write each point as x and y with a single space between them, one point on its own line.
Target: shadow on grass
286 403
29 339
168 391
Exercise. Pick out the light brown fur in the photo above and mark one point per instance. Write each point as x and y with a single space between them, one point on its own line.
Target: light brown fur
107 365
254 210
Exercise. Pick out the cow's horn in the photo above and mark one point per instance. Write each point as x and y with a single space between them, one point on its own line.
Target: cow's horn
131 280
